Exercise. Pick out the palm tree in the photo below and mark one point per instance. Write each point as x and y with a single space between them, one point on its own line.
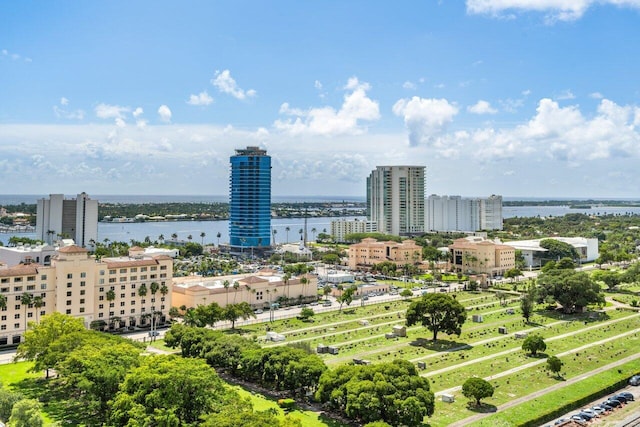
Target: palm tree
285 279
161 238
236 285
274 232
287 230
153 287
314 231
218 235
202 236
174 236
190 237
142 292
304 281
26 299
111 295
226 284
38 302
3 302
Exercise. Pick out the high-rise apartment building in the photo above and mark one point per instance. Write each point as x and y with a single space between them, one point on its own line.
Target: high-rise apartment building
77 219
455 213
250 199
395 199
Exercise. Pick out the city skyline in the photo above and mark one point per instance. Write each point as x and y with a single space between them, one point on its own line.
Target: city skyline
527 98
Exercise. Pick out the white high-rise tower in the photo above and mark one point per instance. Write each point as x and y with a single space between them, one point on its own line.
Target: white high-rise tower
77 219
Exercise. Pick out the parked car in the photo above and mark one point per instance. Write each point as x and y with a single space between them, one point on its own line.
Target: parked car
620 397
154 333
613 402
258 311
585 416
598 409
590 412
626 395
606 406
578 418
634 380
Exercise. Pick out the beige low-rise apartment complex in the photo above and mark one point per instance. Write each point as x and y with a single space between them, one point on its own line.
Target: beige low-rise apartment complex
477 255
77 284
370 252
259 289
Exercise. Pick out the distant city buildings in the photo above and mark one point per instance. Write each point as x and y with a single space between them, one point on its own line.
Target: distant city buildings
455 213
395 199
340 228
250 199
58 218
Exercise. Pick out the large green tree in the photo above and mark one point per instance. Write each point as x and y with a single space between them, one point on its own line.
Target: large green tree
168 390
477 389
26 413
392 392
574 290
438 312
534 344
38 339
557 250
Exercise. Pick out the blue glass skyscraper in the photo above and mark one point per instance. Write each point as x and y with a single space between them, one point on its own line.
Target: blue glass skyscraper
250 199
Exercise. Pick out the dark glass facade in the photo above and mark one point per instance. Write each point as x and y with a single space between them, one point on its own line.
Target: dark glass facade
250 198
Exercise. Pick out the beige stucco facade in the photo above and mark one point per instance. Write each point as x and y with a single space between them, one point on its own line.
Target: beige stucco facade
77 284
477 255
258 289
370 252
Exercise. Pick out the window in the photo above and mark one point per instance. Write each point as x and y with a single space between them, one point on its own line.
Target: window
43 277
163 275
101 281
16 326
3 327
68 302
122 312
17 279
100 306
112 280
81 300
31 287
82 292
162 307
18 298
102 272
4 289
69 284
143 268
133 286
29 314
143 277
123 287
133 294
133 311
83 283
100 315
81 309
112 271
154 268
133 269
121 303
17 307
31 278
153 276
16 316
101 289
4 317
69 276
163 267
68 293
121 295
123 271
43 286
111 313
134 278
68 311
17 289
83 274
4 280
101 298
133 302
123 279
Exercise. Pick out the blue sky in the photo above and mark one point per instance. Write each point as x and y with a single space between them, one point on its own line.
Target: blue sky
515 97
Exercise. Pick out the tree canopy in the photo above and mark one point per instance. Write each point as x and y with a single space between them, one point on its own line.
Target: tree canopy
438 312
477 389
573 290
534 344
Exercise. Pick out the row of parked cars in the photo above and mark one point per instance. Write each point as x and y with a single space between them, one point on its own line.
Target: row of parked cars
596 411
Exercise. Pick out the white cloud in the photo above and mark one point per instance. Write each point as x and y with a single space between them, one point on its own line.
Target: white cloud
106 111
357 107
596 95
409 85
425 119
554 10
565 94
165 113
482 107
141 123
138 112
63 113
317 85
226 84
203 98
